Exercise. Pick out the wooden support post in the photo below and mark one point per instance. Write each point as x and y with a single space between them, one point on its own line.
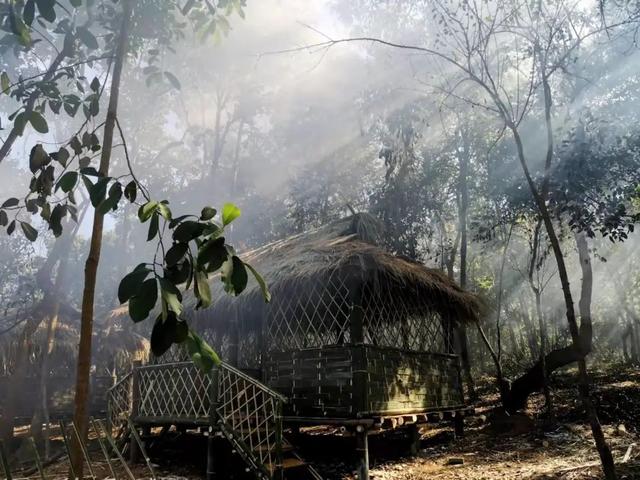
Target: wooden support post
458 424
414 439
359 352
362 449
5 461
134 451
213 444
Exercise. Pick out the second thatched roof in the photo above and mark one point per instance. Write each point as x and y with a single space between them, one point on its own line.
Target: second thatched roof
352 245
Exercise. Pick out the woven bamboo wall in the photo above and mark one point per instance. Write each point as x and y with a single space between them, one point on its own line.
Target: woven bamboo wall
320 381
400 380
317 381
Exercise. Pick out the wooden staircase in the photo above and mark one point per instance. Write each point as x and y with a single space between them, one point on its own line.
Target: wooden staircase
246 412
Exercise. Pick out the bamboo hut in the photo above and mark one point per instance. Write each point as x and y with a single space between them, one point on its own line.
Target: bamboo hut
353 336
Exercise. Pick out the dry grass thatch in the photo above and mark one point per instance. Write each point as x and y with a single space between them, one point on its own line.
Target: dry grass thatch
351 246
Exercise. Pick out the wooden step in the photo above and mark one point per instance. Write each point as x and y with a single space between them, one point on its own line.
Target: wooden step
287 463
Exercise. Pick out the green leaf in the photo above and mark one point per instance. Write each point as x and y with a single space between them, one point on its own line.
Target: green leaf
47 10
38 158
146 211
263 285
61 156
75 3
99 191
239 278
10 202
20 122
187 231
29 12
131 191
68 181
213 253
141 304
229 213
202 355
95 84
173 80
55 219
131 283
171 295
203 291
38 122
29 232
153 226
208 213
4 218
11 227
175 253
4 82
76 145
164 210
87 38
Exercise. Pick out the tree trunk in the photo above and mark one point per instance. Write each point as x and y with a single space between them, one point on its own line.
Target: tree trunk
581 335
462 213
81 401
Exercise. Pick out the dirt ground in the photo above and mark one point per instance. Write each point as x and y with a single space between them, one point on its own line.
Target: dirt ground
526 446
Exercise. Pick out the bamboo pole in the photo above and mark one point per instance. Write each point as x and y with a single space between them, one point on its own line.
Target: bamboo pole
5 461
65 440
36 456
114 447
103 448
136 436
83 447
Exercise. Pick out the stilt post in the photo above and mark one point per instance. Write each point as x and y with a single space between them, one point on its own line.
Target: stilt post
213 467
134 451
362 448
458 424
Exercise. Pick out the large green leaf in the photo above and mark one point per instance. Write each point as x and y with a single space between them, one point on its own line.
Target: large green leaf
167 332
10 202
234 276
171 295
141 304
176 253
229 213
29 232
212 254
208 213
131 283
68 181
38 158
99 191
154 226
188 230
203 291
38 122
201 353
146 211
47 10
4 82
263 285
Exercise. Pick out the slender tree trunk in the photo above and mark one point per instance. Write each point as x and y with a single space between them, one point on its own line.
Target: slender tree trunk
581 335
464 205
81 401
537 293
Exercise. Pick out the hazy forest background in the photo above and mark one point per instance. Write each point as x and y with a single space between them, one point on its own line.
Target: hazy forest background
497 141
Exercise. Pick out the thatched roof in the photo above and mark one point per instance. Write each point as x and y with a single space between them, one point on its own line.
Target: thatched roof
352 245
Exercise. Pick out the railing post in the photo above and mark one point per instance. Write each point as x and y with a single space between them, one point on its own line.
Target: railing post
212 464
135 408
358 352
279 471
